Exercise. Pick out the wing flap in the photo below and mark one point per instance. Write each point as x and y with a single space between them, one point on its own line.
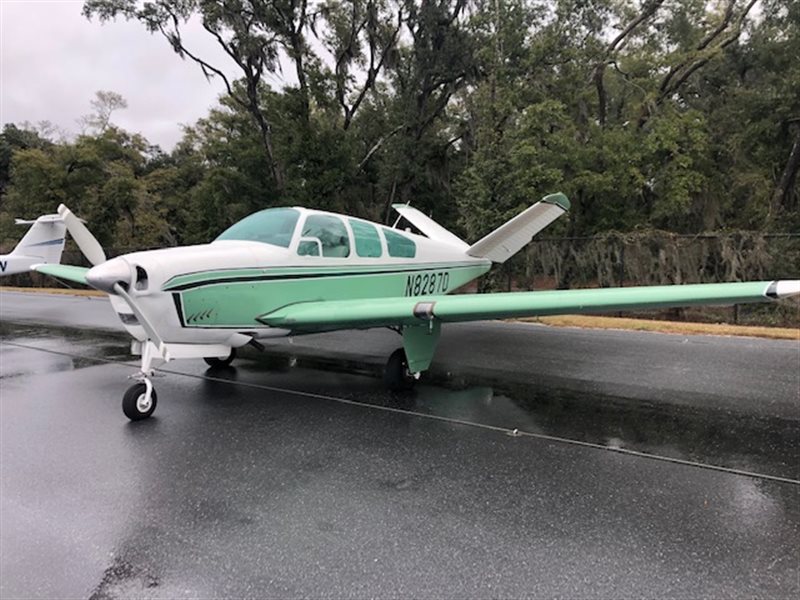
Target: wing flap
67 272
381 312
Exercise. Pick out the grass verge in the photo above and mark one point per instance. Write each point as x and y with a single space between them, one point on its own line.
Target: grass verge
59 291
676 327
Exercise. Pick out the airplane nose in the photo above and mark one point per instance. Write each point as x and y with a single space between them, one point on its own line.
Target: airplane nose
104 276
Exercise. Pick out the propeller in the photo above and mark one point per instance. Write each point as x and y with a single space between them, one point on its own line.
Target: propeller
88 244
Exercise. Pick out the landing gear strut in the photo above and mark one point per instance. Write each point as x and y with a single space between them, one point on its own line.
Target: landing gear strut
216 362
139 401
397 376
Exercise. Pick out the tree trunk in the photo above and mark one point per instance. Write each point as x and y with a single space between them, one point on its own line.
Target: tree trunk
782 196
266 133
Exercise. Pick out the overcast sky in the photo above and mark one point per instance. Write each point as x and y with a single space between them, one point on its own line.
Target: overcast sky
53 60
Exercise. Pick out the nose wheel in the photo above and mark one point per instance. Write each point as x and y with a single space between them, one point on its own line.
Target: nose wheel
139 401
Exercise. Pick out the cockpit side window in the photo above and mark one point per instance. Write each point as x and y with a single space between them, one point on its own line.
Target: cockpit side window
272 226
399 246
368 242
331 233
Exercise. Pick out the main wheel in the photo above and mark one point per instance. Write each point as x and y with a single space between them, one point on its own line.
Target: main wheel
217 362
135 403
397 377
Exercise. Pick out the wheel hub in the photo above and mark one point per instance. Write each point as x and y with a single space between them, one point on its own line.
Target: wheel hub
143 403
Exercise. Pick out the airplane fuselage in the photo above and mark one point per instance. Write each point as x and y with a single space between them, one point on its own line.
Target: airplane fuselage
213 292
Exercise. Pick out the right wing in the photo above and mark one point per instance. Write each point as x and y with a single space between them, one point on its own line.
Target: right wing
408 311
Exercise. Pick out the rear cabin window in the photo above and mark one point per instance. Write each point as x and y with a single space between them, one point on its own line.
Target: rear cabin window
272 226
368 242
329 235
399 246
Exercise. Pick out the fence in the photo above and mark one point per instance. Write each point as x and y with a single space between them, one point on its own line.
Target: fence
654 258
660 258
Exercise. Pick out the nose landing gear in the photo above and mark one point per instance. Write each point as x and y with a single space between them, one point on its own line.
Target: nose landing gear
139 400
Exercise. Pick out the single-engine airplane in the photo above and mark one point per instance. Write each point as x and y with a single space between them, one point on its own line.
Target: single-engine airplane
291 271
43 243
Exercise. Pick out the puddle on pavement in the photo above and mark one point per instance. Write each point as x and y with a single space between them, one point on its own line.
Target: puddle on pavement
66 351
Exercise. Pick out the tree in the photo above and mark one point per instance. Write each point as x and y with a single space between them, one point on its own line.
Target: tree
104 104
256 33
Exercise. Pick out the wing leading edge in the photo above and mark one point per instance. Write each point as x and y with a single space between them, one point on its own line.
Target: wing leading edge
67 272
408 311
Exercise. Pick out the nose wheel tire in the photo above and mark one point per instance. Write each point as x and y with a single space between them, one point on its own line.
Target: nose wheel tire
397 377
218 362
135 403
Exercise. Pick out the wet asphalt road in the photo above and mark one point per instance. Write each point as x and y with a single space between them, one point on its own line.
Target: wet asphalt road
273 479
725 374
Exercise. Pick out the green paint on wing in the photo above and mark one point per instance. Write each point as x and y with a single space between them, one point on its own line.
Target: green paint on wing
67 272
475 307
559 199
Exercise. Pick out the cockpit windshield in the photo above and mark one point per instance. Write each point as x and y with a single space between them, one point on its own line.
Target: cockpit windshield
272 226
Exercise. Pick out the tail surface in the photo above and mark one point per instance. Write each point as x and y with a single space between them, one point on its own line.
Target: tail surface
44 240
508 239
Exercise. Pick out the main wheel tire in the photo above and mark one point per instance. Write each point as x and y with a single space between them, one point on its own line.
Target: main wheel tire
135 405
215 362
397 377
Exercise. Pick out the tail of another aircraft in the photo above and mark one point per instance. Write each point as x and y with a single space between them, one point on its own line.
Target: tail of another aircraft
43 243
44 240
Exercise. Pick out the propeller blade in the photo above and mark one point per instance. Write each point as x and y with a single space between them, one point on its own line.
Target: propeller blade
88 244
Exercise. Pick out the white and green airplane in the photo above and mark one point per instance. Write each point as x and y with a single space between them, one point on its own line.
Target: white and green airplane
292 271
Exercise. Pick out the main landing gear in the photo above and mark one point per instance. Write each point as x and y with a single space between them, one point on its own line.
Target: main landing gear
397 376
220 362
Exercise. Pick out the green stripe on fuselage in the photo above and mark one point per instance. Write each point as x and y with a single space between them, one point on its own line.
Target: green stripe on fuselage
237 304
190 280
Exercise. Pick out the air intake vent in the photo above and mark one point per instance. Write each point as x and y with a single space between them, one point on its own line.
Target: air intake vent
141 279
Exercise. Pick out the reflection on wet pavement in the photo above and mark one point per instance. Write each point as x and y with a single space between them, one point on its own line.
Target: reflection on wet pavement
751 443
251 481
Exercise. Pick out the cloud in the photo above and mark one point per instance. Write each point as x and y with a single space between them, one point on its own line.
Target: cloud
53 60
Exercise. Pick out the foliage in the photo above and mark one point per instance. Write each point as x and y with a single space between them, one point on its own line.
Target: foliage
677 115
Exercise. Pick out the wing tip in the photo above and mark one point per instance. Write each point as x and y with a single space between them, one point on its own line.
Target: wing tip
784 288
558 199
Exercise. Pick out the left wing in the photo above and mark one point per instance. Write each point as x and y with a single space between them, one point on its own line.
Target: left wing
380 312
68 272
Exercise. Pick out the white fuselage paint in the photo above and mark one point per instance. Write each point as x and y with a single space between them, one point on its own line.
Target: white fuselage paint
165 265
12 264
